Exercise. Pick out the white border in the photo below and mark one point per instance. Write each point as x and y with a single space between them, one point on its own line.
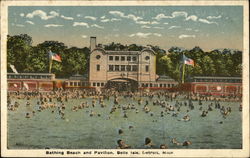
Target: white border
176 152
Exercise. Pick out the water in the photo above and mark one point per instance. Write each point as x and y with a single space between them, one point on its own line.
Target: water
80 131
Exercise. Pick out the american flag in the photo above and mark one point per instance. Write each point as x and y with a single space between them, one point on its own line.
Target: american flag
188 61
54 56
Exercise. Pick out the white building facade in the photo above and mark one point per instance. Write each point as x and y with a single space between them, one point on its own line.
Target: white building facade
123 69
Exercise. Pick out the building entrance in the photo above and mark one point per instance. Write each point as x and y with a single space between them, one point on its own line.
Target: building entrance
122 84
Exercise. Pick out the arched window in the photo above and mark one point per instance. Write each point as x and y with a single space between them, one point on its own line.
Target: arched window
97 67
98 57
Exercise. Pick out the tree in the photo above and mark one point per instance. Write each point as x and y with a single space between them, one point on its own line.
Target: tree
28 58
74 61
18 48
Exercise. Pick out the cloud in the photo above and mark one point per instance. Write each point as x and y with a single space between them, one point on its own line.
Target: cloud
156 27
161 16
122 15
146 22
214 17
53 25
90 17
176 14
174 27
43 15
103 17
115 19
116 35
143 22
145 27
188 29
81 24
29 22
19 25
144 35
112 19
105 20
22 14
154 22
84 36
97 26
186 36
67 18
157 34
165 23
140 35
207 22
78 15
192 17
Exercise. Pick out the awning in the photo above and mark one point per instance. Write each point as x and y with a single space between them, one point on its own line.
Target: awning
118 80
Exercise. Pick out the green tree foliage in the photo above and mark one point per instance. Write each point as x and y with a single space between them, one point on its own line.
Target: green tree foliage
18 51
28 58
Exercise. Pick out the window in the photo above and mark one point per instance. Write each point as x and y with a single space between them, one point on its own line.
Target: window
98 84
128 58
134 68
98 67
122 58
134 58
75 84
146 68
102 84
94 84
116 67
147 58
160 85
71 83
98 57
168 85
111 67
165 85
155 85
128 67
151 85
111 58
116 58
122 67
146 85
143 85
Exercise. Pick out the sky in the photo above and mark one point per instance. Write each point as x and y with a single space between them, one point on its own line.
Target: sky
209 27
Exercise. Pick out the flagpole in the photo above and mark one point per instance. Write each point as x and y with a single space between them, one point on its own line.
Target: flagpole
183 68
50 61
50 65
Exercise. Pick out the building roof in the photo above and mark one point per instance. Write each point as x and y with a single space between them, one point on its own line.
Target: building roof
12 73
123 52
165 78
215 77
77 77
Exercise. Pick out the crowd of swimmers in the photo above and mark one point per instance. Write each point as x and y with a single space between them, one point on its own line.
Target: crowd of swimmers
171 103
